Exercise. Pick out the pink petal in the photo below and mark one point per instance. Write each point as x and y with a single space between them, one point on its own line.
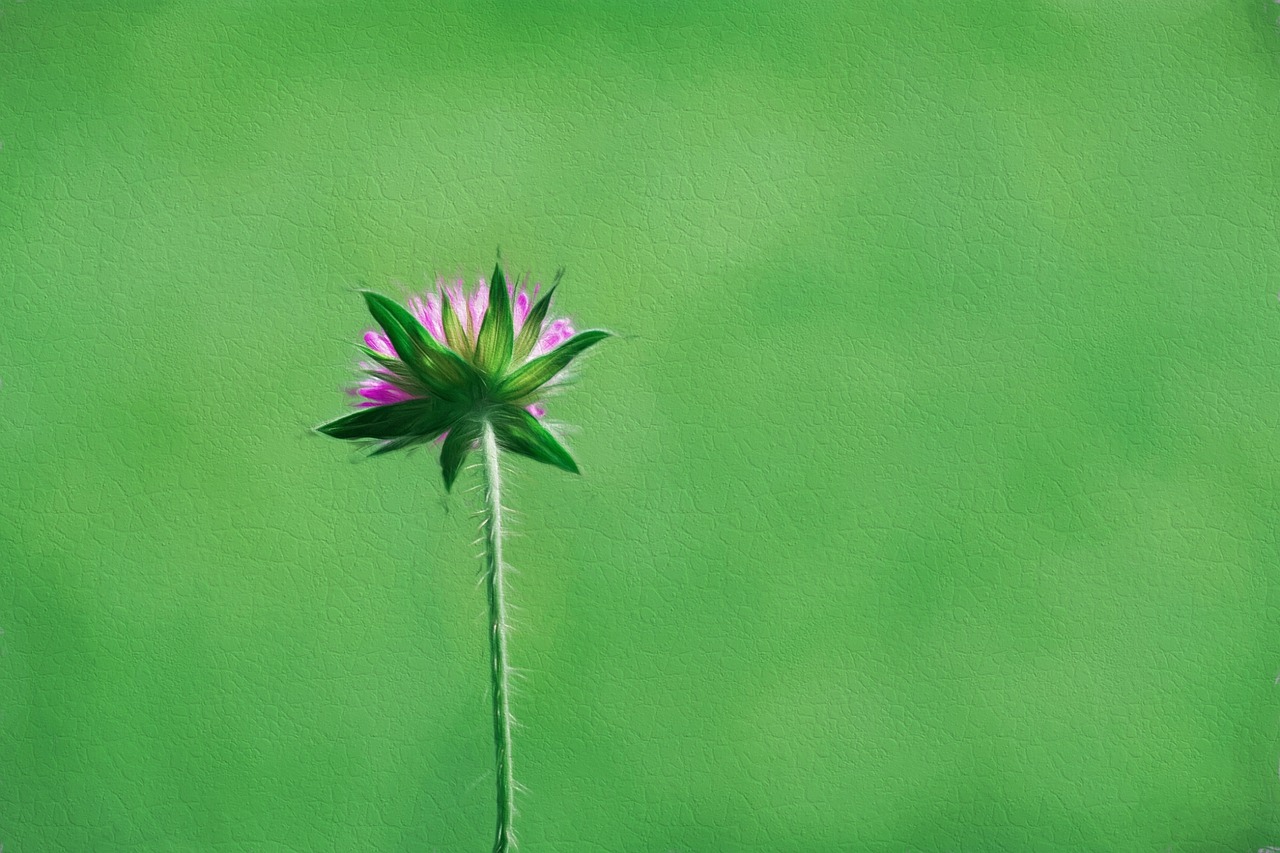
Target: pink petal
382 393
458 300
520 309
418 309
479 303
428 315
380 343
432 320
557 333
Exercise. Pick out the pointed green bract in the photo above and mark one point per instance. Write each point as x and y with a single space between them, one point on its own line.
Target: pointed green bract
407 384
394 371
442 370
400 340
421 418
541 370
399 444
387 362
457 444
522 433
397 371
532 328
453 331
493 344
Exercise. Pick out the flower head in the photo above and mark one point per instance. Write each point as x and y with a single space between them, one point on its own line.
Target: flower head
452 361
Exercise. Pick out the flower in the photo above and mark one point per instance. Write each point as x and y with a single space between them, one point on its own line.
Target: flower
452 361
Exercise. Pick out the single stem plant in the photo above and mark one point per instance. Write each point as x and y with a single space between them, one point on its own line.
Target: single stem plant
467 371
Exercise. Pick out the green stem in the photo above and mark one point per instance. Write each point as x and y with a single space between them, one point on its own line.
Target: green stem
497 638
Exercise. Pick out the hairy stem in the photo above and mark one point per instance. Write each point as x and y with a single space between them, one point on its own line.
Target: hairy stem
497 638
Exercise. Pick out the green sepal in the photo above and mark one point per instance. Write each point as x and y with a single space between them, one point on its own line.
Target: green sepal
532 328
457 444
388 362
420 418
520 432
541 370
493 344
374 354
399 444
395 371
383 312
454 334
441 370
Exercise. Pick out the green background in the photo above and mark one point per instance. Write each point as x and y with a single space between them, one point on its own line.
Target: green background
929 493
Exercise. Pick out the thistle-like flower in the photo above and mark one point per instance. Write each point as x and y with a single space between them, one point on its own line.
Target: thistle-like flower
469 371
453 362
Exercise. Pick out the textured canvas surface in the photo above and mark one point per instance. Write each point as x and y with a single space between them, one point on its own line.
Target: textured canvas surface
929 491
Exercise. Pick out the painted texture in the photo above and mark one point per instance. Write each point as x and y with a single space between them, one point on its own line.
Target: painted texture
929 498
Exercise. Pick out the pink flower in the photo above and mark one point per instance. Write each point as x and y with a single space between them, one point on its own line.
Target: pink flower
455 365
470 309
